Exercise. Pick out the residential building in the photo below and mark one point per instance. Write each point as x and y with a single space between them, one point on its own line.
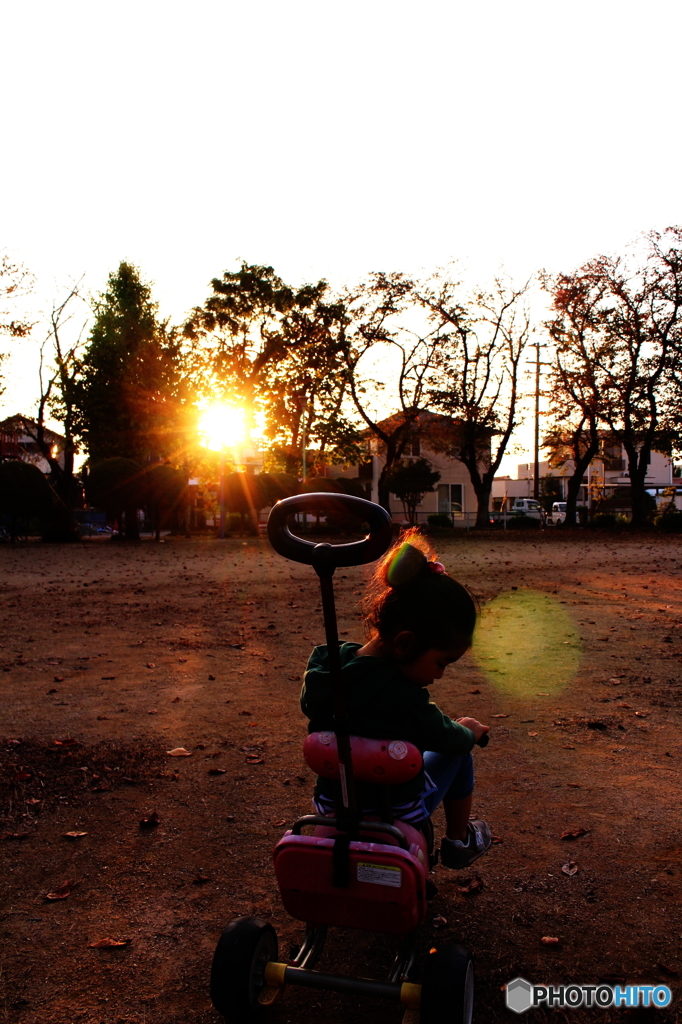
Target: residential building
18 441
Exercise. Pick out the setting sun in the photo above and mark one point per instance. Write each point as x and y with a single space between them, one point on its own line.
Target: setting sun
222 426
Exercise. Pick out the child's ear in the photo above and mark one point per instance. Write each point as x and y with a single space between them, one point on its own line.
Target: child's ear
404 645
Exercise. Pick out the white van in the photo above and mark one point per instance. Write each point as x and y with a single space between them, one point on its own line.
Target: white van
527 507
558 513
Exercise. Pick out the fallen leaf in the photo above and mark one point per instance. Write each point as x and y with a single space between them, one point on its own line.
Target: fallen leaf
496 839
474 885
614 682
293 679
625 705
574 833
573 785
279 822
151 821
499 716
641 714
254 760
53 690
73 835
245 713
32 801
179 752
532 734
217 771
549 940
61 892
20 776
542 695
570 868
103 787
108 679
150 664
211 679
176 700
667 970
153 712
15 835
200 879
474 691
57 679
68 742
109 943
439 921
567 747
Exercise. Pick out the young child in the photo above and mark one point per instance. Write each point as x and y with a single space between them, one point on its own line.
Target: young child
420 620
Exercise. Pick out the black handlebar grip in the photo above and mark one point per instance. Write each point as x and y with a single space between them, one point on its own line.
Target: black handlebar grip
484 740
336 556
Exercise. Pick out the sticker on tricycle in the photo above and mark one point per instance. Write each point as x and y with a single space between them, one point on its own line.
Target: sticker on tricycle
380 874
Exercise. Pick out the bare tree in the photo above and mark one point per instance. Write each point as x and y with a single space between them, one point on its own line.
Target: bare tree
575 401
476 383
631 346
58 369
377 342
15 281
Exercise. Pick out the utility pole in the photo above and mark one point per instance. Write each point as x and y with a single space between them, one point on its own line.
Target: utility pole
536 448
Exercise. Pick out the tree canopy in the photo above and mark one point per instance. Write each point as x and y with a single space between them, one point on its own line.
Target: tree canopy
131 392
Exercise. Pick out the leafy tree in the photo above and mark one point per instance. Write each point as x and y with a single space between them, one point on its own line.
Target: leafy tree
15 281
118 486
131 395
274 350
410 481
629 346
475 383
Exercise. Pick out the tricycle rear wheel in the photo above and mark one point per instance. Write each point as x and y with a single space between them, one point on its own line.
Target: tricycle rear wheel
447 987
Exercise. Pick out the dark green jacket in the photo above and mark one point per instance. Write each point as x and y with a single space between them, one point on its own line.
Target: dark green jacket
382 704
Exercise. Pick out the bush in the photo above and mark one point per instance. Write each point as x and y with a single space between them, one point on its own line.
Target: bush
523 523
440 519
669 522
604 521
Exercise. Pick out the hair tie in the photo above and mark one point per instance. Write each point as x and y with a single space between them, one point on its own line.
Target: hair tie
408 563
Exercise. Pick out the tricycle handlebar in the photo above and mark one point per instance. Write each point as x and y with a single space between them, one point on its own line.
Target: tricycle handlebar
336 556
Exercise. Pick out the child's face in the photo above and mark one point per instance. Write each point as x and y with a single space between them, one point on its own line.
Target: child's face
432 663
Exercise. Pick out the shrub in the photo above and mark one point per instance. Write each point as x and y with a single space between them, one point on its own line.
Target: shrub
669 522
440 519
523 523
604 521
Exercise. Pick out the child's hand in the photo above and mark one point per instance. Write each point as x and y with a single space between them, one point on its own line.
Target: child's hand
477 729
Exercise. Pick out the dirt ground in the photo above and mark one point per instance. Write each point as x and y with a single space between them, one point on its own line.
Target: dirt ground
111 656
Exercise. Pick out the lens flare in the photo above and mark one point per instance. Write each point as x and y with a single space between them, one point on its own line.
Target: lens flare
526 643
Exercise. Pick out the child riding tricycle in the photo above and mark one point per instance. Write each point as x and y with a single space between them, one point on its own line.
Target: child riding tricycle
385 757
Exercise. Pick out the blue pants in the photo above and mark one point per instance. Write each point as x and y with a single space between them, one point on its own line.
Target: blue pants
451 777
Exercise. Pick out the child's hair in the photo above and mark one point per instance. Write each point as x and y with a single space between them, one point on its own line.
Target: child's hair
412 592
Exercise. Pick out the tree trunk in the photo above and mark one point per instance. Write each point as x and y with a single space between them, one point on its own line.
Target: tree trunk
483 486
637 467
132 530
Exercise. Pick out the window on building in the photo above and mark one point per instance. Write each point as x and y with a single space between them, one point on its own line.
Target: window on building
415 447
450 499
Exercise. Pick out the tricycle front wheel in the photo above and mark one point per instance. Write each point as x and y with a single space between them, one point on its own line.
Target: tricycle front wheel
238 970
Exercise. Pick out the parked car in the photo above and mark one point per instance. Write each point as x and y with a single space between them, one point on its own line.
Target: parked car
558 513
527 508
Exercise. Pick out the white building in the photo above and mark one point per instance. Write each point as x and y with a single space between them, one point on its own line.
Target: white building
604 475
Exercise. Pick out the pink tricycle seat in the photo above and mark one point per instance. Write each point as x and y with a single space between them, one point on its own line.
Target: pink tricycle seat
372 883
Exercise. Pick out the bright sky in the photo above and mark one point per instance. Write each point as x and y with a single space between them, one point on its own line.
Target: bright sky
330 139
